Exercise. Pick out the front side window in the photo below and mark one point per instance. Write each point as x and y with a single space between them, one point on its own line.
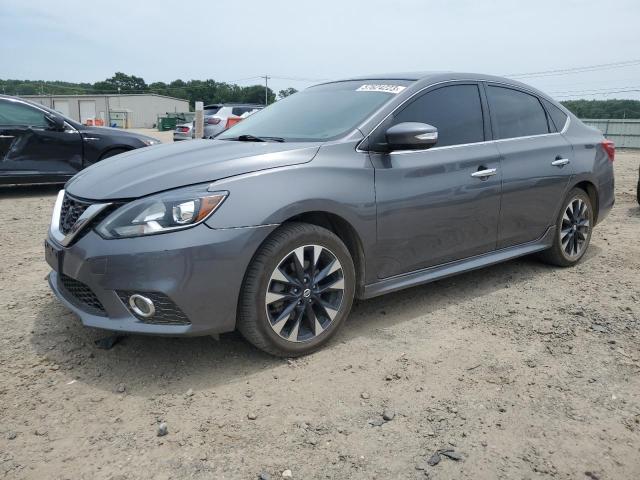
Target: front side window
515 113
456 111
320 113
17 114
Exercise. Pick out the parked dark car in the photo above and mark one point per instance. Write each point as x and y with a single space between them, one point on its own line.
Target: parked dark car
638 188
40 145
351 188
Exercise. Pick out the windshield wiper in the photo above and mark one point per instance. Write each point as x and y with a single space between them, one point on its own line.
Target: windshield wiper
253 138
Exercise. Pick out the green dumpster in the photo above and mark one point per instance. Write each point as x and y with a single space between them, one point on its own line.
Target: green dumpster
166 123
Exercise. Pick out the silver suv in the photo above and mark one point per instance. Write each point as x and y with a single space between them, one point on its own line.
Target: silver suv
217 117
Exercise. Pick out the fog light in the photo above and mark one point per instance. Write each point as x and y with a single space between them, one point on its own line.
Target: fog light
141 305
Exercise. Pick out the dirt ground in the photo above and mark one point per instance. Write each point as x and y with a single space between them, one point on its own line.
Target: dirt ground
521 371
164 137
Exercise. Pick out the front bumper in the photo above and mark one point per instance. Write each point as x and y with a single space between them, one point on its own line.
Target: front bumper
200 270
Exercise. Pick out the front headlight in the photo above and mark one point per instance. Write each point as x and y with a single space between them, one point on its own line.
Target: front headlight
165 212
150 141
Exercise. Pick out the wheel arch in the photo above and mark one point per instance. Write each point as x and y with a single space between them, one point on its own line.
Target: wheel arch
343 230
591 190
120 148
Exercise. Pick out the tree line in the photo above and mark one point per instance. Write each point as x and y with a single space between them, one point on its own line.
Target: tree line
211 91
604 108
207 91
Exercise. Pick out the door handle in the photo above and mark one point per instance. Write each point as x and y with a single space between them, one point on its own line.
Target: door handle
488 172
560 162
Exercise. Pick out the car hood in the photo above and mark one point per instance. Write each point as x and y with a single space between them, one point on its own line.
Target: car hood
162 167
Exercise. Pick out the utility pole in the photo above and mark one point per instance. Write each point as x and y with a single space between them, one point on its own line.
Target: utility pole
266 89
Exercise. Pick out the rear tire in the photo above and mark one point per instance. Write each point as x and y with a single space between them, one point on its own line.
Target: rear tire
297 291
573 230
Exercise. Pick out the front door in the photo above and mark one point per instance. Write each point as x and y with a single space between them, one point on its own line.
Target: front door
31 148
433 207
536 164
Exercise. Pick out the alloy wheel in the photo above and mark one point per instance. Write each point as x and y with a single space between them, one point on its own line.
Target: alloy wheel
304 293
576 228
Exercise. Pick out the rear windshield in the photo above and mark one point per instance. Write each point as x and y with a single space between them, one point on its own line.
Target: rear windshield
319 113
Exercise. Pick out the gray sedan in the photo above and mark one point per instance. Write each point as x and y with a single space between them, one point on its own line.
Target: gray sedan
350 189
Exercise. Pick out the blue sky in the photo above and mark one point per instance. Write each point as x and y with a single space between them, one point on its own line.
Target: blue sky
307 41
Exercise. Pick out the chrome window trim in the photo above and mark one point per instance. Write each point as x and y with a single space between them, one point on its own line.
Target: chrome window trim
476 81
85 218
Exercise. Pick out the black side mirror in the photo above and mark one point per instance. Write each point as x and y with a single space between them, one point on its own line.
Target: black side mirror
412 136
56 123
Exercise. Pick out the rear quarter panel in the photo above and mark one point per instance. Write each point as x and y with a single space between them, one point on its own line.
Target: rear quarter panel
591 163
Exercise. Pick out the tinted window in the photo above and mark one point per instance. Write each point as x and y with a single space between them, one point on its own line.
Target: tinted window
241 110
211 110
516 114
455 111
15 113
558 116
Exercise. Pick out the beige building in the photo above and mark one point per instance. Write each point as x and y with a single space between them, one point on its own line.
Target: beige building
125 111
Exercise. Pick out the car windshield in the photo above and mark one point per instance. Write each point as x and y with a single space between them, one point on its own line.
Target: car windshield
211 111
320 113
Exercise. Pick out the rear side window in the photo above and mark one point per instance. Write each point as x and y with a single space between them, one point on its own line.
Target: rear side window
241 110
18 114
455 111
558 117
515 113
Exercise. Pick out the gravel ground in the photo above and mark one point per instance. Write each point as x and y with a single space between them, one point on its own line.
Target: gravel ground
517 371
164 137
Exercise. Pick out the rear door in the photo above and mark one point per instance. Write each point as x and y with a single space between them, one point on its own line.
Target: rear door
29 147
535 163
432 209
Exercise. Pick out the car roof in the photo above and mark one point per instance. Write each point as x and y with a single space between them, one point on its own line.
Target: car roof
425 78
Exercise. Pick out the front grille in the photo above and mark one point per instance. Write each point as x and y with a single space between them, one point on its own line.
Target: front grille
82 295
70 212
167 312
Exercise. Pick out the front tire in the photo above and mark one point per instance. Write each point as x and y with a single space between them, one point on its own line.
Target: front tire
297 291
573 230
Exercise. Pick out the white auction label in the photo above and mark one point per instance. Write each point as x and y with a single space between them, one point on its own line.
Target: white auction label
393 89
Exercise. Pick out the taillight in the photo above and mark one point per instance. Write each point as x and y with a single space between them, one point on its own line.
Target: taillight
610 148
213 121
231 121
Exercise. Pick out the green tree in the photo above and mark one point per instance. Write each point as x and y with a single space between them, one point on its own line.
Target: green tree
286 92
122 81
604 108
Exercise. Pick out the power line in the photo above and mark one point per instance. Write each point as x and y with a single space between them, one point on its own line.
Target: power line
301 79
595 90
568 71
610 92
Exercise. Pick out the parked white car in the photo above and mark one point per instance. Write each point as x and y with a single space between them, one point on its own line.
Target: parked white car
218 117
183 131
